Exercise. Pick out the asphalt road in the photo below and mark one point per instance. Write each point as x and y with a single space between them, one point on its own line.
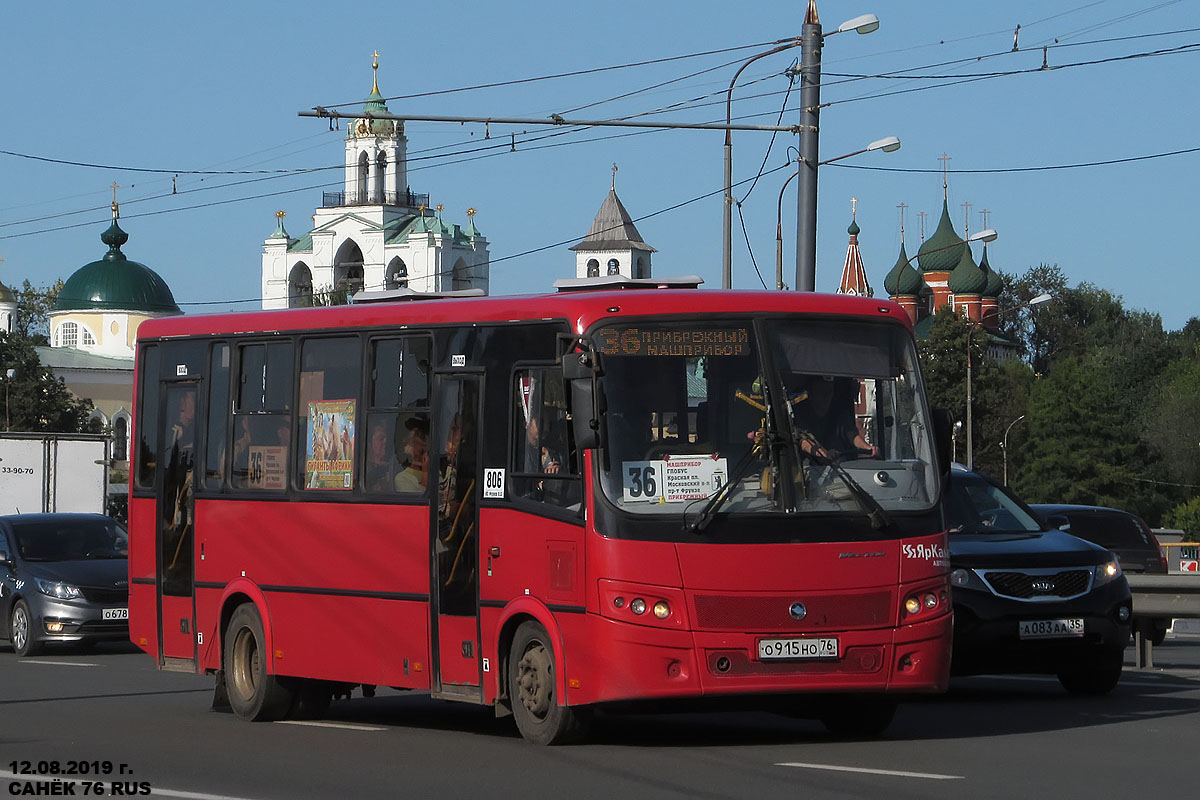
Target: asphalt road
989 737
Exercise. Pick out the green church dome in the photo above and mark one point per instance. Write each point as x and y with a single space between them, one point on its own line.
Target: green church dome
903 279
6 294
995 283
942 251
114 282
967 278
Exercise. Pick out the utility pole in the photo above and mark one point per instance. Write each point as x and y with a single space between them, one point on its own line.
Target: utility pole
810 113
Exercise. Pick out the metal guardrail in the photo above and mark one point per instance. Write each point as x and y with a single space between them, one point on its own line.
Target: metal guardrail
1157 596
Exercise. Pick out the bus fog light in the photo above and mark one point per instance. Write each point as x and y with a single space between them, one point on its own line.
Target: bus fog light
912 605
662 610
618 602
638 606
1123 613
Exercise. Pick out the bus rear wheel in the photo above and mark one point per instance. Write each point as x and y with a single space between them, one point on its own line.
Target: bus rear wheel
532 676
253 693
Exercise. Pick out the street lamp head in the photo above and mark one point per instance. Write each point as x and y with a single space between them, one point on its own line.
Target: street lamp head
867 23
889 144
12 373
985 235
1041 298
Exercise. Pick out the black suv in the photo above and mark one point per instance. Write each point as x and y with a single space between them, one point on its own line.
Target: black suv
1029 598
1125 534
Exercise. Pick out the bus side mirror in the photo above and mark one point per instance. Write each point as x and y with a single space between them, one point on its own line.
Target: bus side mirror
580 368
943 438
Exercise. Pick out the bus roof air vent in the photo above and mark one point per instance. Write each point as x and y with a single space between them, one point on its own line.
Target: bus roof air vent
623 282
399 295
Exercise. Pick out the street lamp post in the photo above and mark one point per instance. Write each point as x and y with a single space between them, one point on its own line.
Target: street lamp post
8 376
889 144
811 40
1004 445
1041 298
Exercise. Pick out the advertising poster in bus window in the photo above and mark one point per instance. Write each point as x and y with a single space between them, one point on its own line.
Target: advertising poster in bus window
329 462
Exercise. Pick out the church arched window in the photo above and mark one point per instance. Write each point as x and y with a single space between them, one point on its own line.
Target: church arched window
614 267
593 268
300 288
68 335
461 278
120 439
380 178
642 271
86 336
364 172
397 274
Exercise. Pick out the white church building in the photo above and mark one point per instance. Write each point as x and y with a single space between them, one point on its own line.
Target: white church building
376 233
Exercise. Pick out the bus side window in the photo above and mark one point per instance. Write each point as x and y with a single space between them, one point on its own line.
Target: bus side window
147 422
395 452
262 417
545 465
218 417
330 384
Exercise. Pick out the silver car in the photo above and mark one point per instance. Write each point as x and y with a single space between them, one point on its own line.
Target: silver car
63 578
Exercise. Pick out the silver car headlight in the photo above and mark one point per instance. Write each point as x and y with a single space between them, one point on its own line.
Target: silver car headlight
58 589
1108 572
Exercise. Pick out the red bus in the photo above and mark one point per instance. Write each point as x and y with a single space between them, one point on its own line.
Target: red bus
544 504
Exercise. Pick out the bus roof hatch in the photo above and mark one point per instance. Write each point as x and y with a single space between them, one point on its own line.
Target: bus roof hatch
398 295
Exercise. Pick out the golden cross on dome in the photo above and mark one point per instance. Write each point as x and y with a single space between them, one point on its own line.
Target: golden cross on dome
375 72
614 179
945 159
470 212
115 210
279 215
984 213
966 219
922 215
853 208
903 207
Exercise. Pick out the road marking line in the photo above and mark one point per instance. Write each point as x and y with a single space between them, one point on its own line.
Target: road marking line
57 663
1132 680
896 773
344 725
154 790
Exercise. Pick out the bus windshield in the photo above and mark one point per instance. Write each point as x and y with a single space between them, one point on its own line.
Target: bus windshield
796 416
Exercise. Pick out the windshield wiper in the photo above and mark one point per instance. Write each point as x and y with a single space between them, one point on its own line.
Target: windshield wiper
875 513
726 491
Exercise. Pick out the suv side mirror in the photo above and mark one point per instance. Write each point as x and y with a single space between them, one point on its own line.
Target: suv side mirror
4 559
1059 521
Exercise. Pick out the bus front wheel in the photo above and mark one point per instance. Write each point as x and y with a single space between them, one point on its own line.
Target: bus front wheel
532 690
253 693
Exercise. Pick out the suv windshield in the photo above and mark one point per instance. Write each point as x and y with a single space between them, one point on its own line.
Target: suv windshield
797 415
973 505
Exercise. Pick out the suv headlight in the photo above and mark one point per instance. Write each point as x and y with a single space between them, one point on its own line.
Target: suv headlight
1108 572
58 589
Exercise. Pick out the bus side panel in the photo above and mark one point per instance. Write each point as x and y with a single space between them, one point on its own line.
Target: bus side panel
143 605
345 602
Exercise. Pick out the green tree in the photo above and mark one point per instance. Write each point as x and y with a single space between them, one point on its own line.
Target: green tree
1171 421
34 399
33 310
1186 517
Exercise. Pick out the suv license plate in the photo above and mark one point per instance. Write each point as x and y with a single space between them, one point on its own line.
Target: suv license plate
115 613
797 648
1050 628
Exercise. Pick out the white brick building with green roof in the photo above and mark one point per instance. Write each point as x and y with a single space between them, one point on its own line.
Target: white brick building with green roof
376 233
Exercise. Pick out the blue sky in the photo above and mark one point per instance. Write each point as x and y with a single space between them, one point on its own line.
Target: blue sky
217 87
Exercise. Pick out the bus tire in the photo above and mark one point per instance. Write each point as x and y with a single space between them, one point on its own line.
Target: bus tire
254 694
857 716
20 631
532 690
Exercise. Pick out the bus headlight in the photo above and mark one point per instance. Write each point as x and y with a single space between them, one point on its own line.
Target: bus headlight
662 610
638 606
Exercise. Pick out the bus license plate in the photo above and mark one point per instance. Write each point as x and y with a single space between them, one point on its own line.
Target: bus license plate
115 613
1050 628
797 648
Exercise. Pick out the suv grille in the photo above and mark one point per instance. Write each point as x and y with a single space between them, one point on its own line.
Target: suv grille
1039 585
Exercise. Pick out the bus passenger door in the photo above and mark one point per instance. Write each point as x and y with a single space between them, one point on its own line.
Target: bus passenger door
175 529
455 529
